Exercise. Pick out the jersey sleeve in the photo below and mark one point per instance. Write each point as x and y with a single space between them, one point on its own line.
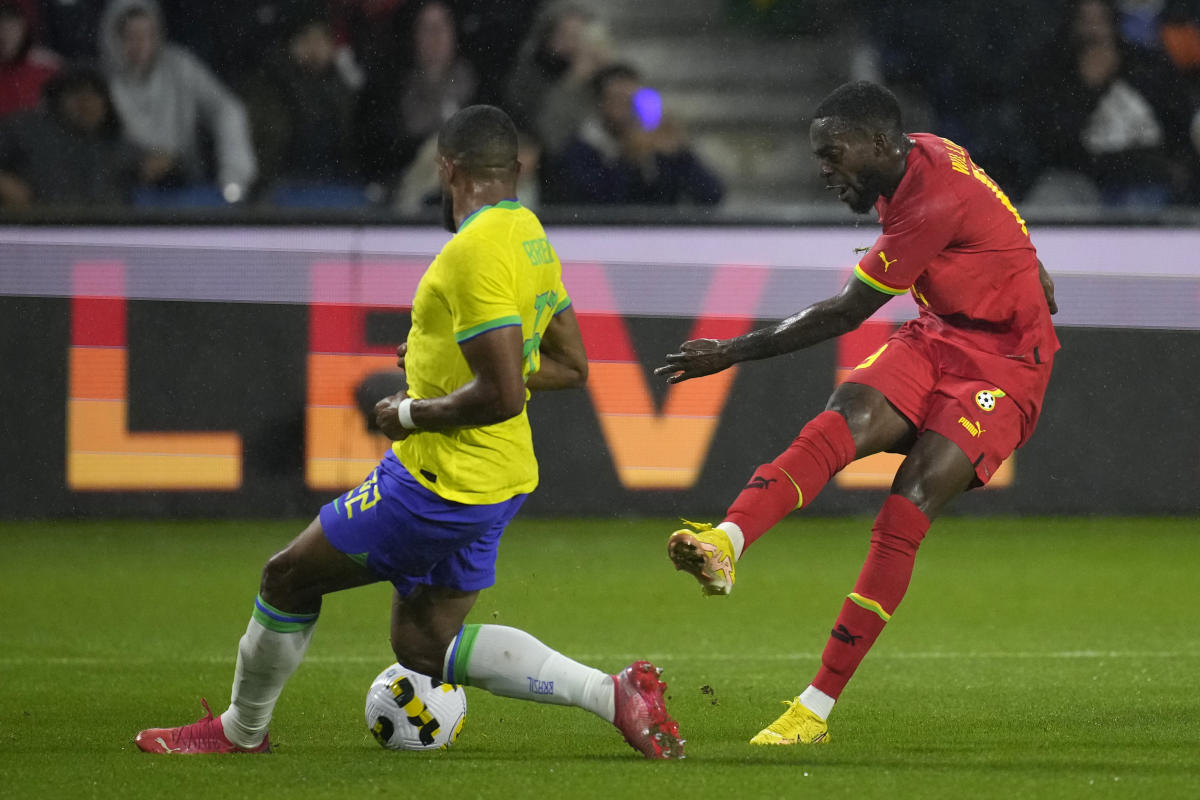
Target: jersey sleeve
908 244
564 299
479 290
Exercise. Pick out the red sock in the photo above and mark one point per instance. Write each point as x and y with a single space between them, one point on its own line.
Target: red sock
881 585
795 477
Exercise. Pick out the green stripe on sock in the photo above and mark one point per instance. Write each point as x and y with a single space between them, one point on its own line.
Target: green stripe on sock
465 644
268 616
869 605
280 627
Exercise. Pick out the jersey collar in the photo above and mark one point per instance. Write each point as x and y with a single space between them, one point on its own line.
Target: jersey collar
508 204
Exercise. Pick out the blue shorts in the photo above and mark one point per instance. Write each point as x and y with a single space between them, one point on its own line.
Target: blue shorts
408 535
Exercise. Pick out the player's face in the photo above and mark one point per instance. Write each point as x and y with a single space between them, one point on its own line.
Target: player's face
849 161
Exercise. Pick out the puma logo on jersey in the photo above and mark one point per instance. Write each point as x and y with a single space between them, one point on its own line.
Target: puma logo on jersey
886 262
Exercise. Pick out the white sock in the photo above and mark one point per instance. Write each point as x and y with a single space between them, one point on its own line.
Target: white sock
817 702
511 663
268 654
736 538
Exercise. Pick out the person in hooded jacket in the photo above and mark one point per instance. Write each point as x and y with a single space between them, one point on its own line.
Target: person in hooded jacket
171 103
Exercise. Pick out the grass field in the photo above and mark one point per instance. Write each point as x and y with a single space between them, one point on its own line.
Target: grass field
1032 658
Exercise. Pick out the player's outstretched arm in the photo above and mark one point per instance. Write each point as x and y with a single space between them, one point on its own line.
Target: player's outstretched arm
564 362
839 314
496 393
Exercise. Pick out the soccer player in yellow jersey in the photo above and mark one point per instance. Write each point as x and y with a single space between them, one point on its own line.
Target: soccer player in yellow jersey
491 321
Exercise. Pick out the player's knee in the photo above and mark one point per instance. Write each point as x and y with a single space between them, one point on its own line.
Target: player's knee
420 654
278 585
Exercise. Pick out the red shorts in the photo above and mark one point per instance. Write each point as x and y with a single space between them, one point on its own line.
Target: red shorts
986 404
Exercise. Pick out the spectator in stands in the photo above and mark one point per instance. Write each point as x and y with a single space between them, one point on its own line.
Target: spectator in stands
301 107
627 152
168 101
969 68
1113 112
490 35
69 151
420 191
24 66
399 116
549 91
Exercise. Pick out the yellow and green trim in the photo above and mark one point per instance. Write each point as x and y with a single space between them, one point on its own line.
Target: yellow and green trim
869 605
505 204
861 274
484 327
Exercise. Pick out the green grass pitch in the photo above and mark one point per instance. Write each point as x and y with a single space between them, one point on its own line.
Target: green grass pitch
1052 658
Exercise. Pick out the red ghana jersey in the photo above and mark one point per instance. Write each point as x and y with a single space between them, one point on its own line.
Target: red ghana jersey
953 239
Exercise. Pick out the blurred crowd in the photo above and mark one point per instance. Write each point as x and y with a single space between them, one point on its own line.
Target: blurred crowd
1081 101
318 103
336 103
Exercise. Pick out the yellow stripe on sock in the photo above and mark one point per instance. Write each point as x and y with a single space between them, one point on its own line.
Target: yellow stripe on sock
799 494
869 605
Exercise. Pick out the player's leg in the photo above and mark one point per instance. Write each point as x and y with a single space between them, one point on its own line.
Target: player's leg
281 626
858 421
277 636
428 635
934 473
510 662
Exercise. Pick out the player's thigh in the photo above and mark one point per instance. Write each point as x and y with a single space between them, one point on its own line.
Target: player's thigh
425 622
309 567
875 424
935 471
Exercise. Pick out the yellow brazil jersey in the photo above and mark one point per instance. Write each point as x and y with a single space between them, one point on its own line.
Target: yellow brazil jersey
498 270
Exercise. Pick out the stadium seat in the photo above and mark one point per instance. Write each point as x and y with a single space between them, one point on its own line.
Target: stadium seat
201 196
319 195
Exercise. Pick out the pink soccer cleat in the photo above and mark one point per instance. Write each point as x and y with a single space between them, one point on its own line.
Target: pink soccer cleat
642 716
205 735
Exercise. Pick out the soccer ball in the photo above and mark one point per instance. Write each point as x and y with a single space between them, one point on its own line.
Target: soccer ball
409 711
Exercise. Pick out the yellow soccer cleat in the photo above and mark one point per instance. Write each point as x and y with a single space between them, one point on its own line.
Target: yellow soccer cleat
797 725
706 553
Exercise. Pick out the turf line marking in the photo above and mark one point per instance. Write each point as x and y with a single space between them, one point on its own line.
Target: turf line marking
80 661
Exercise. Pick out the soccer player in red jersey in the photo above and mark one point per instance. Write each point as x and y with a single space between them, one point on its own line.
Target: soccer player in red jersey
956 390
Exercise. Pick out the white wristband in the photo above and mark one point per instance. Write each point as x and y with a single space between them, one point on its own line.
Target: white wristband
404 413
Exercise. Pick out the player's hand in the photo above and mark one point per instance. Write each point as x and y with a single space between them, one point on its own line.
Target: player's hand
1047 287
696 358
401 352
388 420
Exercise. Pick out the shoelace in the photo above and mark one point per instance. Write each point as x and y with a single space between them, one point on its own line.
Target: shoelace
792 707
201 730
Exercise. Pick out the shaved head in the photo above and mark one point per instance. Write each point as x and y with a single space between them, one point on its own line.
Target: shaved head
481 140
864 107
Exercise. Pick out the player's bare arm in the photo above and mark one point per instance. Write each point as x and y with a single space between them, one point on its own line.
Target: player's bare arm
564 362
827 319
1047 287
496 393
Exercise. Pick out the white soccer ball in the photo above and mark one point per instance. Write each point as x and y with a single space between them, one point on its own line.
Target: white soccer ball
409 711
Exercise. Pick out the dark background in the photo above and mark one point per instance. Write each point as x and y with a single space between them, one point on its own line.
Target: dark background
1119 433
